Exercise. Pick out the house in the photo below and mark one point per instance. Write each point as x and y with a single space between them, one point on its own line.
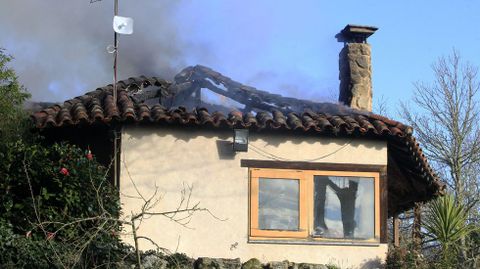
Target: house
317 182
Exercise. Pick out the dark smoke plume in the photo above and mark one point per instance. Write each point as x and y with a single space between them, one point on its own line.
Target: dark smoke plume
60 46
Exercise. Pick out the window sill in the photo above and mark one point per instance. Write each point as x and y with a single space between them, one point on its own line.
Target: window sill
324 243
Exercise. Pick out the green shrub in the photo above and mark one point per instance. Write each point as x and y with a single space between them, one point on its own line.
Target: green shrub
58 205
405 257
57 208
18 251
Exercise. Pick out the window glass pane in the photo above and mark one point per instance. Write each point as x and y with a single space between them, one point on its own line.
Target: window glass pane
278 204
344 207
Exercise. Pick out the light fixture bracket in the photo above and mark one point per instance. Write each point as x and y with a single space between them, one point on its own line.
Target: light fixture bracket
240 140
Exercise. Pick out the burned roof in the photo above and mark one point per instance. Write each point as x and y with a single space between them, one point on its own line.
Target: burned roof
153 100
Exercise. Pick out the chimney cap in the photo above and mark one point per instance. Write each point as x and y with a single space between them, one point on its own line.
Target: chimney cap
353 33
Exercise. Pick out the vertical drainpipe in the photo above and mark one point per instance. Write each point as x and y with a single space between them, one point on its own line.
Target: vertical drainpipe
117 136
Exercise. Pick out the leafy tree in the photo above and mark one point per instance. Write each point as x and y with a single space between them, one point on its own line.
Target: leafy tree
50 212
12 96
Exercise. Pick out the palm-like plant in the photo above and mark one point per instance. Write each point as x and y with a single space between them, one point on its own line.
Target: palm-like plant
446 223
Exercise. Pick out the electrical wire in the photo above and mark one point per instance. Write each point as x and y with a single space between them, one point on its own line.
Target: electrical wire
279 158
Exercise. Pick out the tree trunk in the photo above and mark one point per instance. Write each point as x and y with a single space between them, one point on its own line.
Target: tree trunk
396 230
137 250
416 230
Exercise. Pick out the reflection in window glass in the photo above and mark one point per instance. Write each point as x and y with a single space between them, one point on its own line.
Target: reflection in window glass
278 204
344 207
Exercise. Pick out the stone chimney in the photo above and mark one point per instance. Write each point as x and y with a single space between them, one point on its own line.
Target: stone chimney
355 67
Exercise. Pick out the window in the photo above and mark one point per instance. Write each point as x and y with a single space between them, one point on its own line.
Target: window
277 207
314 205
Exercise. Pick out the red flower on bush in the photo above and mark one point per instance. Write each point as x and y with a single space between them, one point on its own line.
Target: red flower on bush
50 236
64 171
89 155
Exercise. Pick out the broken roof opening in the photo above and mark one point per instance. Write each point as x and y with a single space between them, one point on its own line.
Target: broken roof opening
200 86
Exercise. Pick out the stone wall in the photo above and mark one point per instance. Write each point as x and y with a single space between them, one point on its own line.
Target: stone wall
153 260
355 76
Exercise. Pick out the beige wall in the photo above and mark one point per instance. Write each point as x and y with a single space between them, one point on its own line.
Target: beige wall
169 158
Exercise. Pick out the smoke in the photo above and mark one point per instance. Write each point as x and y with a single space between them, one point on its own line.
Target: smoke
60 46
295 84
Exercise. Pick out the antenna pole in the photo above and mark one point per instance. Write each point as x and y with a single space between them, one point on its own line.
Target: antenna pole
116 168
115 55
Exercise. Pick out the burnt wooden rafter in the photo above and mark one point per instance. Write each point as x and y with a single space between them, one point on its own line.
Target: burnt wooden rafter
253 99
188 84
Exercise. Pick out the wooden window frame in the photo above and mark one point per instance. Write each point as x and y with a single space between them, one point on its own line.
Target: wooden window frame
255 175
376 177
306 203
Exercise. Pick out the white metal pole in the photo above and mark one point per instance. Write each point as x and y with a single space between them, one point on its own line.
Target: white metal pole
115 56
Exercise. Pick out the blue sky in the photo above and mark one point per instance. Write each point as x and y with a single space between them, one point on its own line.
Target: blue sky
280 46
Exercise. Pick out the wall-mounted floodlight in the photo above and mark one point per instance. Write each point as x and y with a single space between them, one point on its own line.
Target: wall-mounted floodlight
240 140
123 25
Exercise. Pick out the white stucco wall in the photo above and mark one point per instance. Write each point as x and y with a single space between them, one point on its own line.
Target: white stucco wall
169 158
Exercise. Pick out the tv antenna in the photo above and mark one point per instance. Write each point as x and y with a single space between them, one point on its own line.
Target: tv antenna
124 26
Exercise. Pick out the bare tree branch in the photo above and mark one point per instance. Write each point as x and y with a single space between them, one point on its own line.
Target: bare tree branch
446 117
